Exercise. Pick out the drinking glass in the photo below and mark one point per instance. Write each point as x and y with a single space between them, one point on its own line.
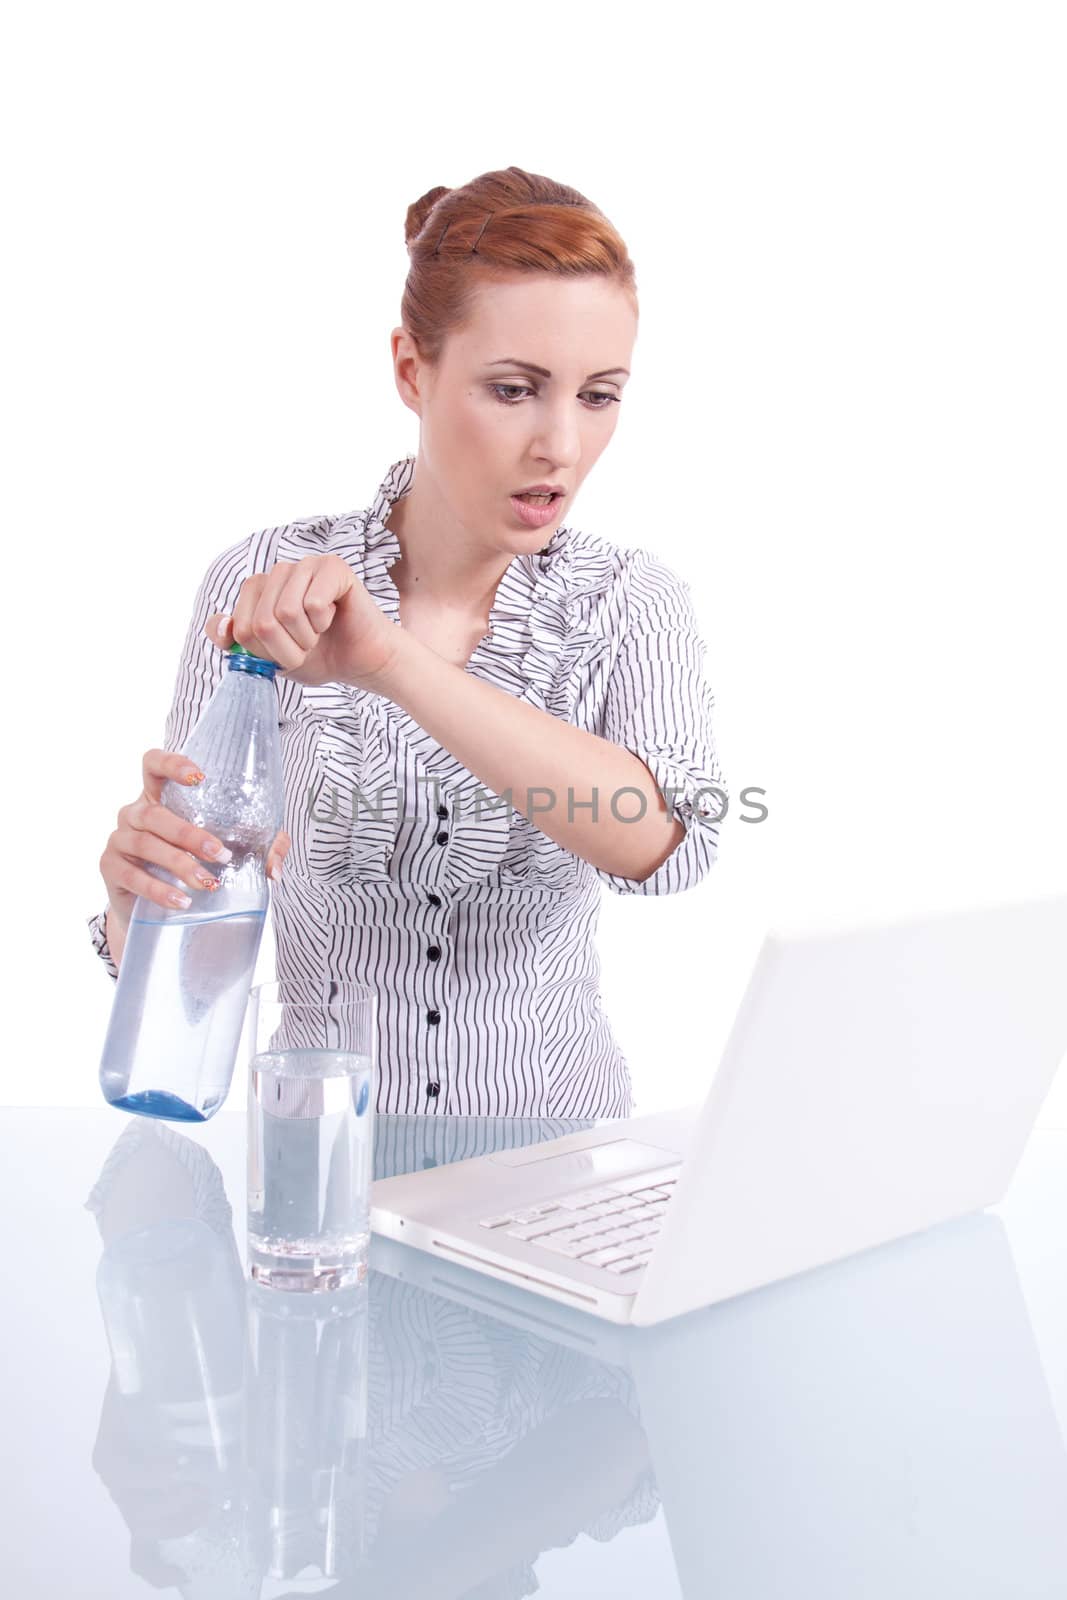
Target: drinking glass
311 1093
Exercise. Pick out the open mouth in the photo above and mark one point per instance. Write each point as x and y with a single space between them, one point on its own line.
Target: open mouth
536 510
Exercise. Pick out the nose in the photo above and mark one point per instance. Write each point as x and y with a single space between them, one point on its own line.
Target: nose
558 439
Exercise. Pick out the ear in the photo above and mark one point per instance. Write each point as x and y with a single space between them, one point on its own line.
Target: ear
406 368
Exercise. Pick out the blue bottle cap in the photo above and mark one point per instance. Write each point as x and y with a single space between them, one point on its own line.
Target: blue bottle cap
249 663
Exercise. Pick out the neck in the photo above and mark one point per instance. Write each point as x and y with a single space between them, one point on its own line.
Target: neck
430 568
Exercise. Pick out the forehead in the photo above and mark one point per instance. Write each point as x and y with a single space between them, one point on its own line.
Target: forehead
559 323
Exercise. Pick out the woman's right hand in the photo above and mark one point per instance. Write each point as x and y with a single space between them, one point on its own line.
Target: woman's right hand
148 831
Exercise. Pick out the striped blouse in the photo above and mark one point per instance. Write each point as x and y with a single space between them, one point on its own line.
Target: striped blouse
474 928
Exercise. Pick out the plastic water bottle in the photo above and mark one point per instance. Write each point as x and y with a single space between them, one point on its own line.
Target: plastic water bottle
185 976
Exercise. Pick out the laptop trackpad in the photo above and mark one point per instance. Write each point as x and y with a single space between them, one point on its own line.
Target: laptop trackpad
598 1162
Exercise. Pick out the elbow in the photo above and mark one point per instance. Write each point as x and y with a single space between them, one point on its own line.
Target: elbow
678 832
685 866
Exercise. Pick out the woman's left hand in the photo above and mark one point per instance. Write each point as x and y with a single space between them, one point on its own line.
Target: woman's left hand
315 619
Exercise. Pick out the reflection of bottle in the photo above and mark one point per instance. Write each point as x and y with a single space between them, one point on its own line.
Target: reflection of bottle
183 985
305 1430
169 1442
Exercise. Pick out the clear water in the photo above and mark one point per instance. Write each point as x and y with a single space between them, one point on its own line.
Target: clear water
178 1012
310 1138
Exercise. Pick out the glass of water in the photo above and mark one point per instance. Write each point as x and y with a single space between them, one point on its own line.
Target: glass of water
311 1092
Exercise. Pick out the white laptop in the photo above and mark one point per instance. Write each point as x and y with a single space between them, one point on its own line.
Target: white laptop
879 1078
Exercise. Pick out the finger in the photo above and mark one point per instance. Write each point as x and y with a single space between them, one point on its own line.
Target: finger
279 849
240 629
255 623
134 847
219 629
330 579
135 880
146 817
281 844
289 599
159 765
278 621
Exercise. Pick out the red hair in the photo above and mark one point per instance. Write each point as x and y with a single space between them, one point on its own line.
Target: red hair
500 224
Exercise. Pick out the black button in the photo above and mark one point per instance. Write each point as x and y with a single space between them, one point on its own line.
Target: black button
435 900
434 952
442 837
442 811
433 1016
433 1090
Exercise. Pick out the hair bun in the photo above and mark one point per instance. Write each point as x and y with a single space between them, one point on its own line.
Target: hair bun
420 210
500 224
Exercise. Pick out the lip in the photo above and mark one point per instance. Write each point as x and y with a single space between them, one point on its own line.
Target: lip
542 488
536 516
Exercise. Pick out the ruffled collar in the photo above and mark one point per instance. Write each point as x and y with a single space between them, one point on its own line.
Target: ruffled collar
539 631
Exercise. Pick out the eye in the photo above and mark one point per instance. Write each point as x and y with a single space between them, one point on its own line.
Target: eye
501 390
520 389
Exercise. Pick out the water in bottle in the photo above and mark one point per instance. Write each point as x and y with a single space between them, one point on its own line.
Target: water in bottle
185 976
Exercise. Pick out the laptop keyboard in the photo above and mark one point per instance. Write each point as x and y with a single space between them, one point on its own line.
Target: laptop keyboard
613 1226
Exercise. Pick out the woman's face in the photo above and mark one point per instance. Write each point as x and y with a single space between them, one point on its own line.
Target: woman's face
490 426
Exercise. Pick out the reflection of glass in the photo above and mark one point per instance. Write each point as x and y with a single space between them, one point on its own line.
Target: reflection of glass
305 1430
311 1091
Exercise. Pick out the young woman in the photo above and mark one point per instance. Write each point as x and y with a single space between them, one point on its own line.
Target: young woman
485 713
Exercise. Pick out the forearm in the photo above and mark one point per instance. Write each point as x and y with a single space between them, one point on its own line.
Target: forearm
553 770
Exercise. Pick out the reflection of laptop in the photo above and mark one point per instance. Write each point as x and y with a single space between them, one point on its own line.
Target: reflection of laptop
878 1079
879 1427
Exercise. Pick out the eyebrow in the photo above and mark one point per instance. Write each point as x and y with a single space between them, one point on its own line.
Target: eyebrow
543 372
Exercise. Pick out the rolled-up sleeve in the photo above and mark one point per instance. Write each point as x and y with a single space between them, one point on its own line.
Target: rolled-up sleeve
200 670
98 934
659 705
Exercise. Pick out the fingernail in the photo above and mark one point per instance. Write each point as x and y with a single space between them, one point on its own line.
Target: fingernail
218 852
276 871
191 775
178 899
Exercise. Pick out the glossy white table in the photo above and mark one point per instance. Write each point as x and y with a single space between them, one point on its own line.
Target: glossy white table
889 1426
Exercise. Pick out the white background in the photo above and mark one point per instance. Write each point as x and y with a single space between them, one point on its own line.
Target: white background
845 424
